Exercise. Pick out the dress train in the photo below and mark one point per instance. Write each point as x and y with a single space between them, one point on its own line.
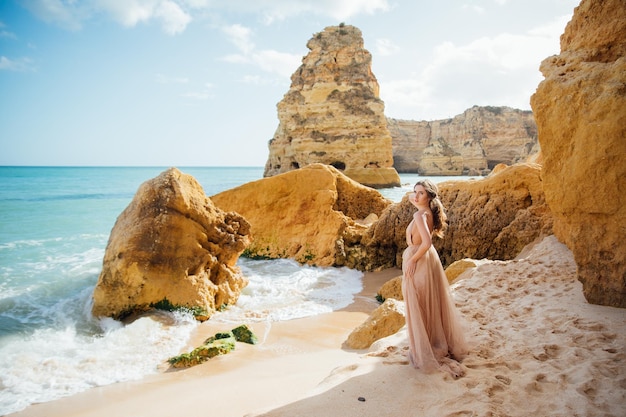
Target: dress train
436 337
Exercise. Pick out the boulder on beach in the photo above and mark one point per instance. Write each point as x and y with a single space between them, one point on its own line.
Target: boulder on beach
171 248
315 215
386 320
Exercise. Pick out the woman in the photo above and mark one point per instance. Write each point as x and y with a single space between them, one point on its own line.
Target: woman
436 339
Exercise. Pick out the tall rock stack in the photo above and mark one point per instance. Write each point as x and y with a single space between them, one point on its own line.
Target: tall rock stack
580 110
332 113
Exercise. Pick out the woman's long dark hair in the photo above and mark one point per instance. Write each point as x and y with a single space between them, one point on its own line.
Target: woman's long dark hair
440 220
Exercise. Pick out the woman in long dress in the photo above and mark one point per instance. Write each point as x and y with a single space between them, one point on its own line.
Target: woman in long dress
436 339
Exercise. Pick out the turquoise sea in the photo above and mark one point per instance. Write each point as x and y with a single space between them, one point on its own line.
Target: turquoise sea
54 226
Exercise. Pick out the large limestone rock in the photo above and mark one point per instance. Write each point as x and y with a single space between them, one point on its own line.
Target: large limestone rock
332 113
391 289
456 268
580 109
472 143
171 247
315 215
386 320
494 217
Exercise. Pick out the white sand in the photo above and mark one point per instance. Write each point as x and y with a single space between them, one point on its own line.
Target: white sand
539 349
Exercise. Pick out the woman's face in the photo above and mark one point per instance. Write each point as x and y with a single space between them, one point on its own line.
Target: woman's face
419 196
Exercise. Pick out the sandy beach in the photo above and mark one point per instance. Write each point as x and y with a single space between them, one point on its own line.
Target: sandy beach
538 348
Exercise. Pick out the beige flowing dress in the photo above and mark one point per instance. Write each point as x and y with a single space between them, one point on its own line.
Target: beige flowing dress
435 332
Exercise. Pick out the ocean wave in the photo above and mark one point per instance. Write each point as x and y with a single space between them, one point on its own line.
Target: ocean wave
56 362
282 289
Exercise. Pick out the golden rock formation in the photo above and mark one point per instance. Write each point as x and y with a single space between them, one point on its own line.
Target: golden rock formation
314 215
471 143
580 108
386 320
332 113
493 217
392 289
171 248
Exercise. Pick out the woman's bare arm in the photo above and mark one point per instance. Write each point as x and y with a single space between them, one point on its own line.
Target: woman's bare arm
421 222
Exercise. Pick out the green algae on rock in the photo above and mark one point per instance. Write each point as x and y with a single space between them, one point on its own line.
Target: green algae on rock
245 335
219 344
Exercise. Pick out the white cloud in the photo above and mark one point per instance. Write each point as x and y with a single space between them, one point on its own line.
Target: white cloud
197 4
253 79
240 36
498 70
4 33
131 12
71 14
204 93
385 47
235 59
271 61
276 62
344 9
552 30
18 65
175 15
268 60
7 34
173 18
277 10
474 7
66 14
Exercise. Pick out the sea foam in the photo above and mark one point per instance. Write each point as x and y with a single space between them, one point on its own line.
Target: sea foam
70 351
282 289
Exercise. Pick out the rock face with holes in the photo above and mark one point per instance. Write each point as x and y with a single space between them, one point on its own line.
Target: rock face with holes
171 248
580 109
332 113
472 143
315 215
493 217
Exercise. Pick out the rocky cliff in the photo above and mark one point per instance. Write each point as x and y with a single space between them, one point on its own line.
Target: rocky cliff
580 108
492 217
471 143
332 113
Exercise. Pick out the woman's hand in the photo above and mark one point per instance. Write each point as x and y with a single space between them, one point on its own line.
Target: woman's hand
410 268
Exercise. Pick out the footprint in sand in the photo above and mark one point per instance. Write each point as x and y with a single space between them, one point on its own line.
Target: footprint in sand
392 355
462 413
504 379
589 389
493 390
549 352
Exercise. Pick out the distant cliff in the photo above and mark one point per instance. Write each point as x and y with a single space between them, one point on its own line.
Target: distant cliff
332 113
471 143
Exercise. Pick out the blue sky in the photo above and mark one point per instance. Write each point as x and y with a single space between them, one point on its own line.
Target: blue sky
196 82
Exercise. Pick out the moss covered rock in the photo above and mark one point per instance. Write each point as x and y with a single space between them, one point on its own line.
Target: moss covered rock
219 344
245 335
